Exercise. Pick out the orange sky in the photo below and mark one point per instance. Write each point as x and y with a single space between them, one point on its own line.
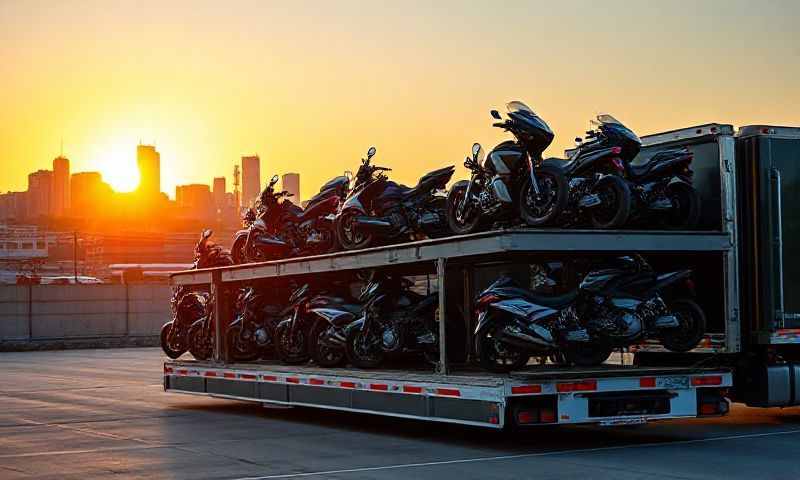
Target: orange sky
309 86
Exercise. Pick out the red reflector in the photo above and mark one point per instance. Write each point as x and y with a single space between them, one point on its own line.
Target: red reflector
167 370
647 382
269 378
494 420
183 372
229 375
521 389
247 376
292 379
449 392
524 417
316 381
347 384
210 374
547 415
379 386
707 381
765 130
708 409
616 150
411 389
713 129
584 386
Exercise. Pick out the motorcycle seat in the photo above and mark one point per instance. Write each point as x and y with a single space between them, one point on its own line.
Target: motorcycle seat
560 163
644 169
429 181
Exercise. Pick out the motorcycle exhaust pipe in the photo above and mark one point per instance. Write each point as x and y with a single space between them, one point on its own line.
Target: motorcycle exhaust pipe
373 224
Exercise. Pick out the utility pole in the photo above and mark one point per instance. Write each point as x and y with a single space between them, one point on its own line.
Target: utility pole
75 255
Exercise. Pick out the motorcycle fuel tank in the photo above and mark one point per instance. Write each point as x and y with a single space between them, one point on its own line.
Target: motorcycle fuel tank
504 159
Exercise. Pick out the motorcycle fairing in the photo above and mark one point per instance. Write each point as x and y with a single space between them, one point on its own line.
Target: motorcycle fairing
338 318
522 308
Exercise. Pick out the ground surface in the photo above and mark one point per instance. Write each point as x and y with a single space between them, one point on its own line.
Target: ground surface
102 413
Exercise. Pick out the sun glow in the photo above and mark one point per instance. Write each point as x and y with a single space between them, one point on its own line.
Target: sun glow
118 167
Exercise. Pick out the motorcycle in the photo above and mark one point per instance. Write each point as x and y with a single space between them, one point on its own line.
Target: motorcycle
613 307
394 320
270 230
326 338
380 209
512 180
316 224
662 190
189 306
251 335
595 171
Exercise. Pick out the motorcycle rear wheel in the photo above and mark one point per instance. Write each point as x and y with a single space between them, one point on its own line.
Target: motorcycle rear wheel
199 347
348 235
500 358
692 326
685 211
615 208
324 355
289 350
173 353
554 187
473 222
361 355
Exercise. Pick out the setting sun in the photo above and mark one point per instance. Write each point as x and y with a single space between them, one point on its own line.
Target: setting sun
118 167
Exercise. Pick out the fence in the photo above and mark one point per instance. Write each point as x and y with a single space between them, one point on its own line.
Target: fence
77 312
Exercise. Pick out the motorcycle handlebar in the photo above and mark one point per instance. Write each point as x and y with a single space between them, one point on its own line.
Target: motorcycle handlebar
499 124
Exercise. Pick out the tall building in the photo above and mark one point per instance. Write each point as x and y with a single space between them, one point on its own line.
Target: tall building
149 162
219 192
194 200
88 193
40 187
251 180
60 194
291 183
13 206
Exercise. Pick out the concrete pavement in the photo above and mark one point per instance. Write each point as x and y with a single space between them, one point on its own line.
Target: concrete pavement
101 413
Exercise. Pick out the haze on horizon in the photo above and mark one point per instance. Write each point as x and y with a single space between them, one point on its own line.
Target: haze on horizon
309 86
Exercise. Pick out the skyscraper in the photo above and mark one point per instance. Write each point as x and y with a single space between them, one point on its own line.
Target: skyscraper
40 187
219 192
149 162
60 194
291 183
89 193
251 179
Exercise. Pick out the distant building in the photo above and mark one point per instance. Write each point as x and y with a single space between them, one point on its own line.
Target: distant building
60 194
13 206
291 183
251 180
219 192
194 201
40 187
88 193
149 162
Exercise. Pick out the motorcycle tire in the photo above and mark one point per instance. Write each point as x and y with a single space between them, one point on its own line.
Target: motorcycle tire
324 355
616 206
454 197
237 251
240 350
685 211
198 346
291 351
514 358
587 354
345 238
171 352
357 356
557 188
692 326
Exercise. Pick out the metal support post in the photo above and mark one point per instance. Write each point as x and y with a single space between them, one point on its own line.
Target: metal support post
468 328
221 315
442 368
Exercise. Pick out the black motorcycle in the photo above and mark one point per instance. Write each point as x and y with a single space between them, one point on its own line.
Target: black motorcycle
380 210
662 190
291 334
315 226
395 320
189 306
613 307
512 181
251 335
327 336
597 192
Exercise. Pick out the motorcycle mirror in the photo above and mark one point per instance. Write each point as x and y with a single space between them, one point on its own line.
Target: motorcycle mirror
371 152
207 233
477 152
496 114
578 140
274 180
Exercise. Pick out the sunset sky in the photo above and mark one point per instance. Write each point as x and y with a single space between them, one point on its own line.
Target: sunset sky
309 86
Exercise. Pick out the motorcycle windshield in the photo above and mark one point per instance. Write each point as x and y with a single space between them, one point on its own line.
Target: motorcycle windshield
299 293
611 123
369 291
528 116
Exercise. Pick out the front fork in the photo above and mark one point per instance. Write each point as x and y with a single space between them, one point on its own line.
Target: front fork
463 205
534 181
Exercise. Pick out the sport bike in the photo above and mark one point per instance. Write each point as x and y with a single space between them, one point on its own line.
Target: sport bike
251 335
511 182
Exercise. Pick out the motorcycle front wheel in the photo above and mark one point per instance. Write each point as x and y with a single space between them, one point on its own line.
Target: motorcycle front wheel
238 251
240 350
349 236
691 326
615 203
470 223
545 208
200 347
290 349
496 356
324 355
172 351
685 211
362 352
